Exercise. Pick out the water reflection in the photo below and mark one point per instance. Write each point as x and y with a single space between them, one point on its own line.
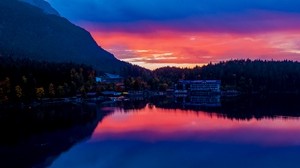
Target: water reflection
198 101
240 108
35 138
159 132
165 134
157 124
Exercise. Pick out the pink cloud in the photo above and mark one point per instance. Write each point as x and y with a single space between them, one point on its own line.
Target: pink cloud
198 48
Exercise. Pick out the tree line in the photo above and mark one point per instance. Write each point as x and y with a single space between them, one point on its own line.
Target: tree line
26 80
247 76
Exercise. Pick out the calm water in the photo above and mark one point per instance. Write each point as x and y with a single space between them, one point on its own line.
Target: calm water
152 136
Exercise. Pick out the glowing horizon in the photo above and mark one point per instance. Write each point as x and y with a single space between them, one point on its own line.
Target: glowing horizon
197 49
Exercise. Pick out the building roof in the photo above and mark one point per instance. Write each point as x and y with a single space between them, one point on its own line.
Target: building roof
113 76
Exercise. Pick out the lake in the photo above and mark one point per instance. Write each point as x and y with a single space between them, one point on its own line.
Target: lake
163 134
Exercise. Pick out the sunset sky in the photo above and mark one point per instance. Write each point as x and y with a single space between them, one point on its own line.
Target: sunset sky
185 33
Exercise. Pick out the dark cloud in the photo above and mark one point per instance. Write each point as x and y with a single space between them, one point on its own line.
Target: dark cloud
183 15
140 10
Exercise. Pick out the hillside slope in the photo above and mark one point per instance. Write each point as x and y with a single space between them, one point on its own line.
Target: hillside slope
45 6
27 31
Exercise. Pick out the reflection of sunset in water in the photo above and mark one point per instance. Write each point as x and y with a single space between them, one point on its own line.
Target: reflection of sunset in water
156 124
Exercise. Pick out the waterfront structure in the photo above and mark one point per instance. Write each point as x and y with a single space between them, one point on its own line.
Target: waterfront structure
198 86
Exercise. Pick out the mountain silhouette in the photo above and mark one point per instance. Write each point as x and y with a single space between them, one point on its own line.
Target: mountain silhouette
33 29
45 6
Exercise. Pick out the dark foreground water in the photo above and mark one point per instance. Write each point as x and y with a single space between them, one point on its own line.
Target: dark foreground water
173 138
153 134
